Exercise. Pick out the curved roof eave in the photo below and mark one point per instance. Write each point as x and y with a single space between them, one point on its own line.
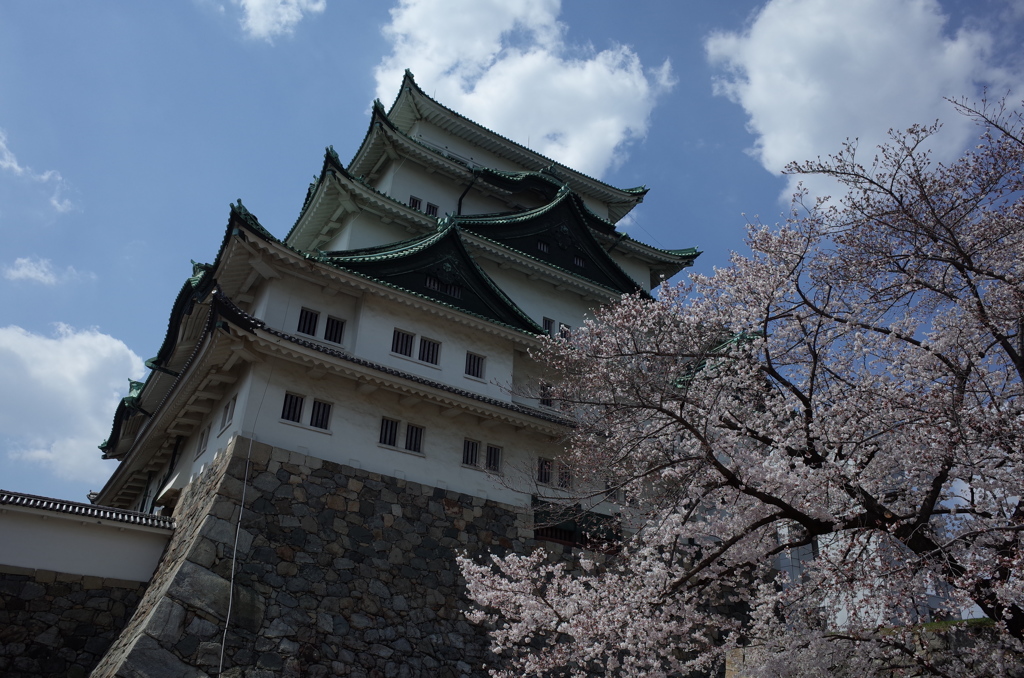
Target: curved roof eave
408 107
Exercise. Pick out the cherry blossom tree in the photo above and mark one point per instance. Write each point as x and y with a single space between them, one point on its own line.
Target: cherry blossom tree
820 448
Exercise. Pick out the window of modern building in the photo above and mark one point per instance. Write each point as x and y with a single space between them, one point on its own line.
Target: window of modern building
415 202
414 438
470 452
334 330
474 365
388 432
430 351
321 415
401 343
307 321
292 410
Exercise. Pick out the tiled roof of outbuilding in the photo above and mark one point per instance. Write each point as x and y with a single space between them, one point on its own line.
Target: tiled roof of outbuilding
85 511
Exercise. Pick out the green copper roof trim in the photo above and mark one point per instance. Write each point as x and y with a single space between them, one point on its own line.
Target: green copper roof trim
638 191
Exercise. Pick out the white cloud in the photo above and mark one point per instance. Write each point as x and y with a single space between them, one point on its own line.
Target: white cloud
41 271
506 66
9 163
811 73
58 395
266 19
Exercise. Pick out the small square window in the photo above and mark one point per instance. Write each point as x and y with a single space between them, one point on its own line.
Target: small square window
321 415
475 365
470 452
334 330
493 459
430 351
228 413
401 343
414 438
431 210
307 322
292 410
549 327
564 331
543 247
544 467
388 432
415 202
578 261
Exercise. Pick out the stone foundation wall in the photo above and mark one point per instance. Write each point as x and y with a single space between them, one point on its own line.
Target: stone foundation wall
337 572
59 625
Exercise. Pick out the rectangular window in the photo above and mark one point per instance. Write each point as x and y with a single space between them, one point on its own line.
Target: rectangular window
564 477
388 432
470 452
415 202
204 439
334 330
545 396
307 322
578 261
549 327
543 247
493 459
544 467
564 331
434 283
228 413
414 438
430 351
431 210
292 410
321 415
401 343
475 365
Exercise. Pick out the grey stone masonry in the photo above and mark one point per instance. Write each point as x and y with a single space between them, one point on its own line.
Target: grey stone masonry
58 625
337 572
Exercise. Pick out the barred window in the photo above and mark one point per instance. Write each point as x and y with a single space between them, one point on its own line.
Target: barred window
549 327
228 413
564 477
578 261
415 202
292 410
401 343
564 331
430 351
204 439
431 210
334 330
544 467
307 321
388 432
493 458
545 396
543 247
470 452
434 283
475 365
321 416
414 438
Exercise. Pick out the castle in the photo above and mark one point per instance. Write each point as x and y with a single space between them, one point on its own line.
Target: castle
331 417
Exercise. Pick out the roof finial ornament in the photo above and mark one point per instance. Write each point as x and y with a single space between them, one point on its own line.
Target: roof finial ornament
334 154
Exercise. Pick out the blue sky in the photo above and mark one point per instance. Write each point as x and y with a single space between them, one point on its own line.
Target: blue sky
127 128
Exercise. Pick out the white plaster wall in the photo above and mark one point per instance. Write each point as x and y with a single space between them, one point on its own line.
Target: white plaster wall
367 230
438 138
76 545
379 318
537 298
353 437
636 269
